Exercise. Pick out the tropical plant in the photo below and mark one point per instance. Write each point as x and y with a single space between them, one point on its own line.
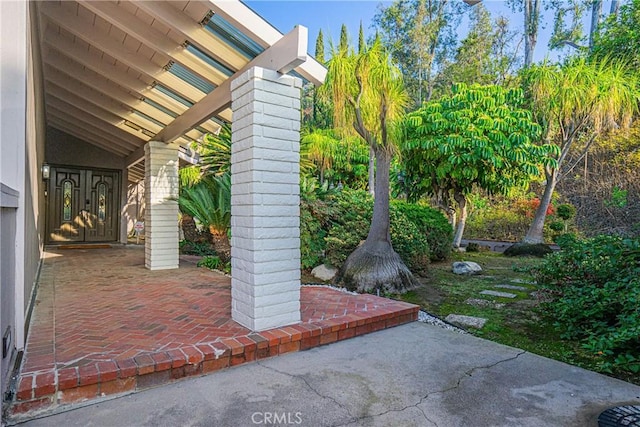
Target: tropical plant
575 103
337 159
479 136
210 202
215 152
368 97
619 35
594 285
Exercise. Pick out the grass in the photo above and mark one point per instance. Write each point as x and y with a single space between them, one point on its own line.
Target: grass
519 323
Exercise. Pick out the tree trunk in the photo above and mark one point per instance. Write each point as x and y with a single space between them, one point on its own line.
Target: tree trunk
462 203
189 228
374 265
615 6
531 18
372 171
221 244
536 231
596 11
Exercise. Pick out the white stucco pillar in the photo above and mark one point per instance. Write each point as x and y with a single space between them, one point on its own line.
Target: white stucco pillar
265 199
161 199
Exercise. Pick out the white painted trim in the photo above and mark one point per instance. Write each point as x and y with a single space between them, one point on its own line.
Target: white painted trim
288 52
261 31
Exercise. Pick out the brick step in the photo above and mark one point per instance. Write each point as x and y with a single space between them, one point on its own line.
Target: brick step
45 391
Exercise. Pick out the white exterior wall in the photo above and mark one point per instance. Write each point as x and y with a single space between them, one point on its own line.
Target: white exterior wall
161 201
265 199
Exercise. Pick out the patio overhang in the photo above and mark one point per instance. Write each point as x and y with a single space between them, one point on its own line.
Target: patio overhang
118 75
145 80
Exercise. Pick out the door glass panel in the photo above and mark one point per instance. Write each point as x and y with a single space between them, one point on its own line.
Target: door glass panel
102 201
66 201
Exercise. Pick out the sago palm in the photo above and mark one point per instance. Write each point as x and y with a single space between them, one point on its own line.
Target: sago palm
210 202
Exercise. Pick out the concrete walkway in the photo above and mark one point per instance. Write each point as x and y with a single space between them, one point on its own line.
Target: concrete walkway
411 375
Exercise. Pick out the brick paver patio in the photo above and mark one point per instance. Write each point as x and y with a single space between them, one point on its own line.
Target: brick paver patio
103 324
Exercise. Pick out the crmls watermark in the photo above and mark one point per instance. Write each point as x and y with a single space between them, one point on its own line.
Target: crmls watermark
276 418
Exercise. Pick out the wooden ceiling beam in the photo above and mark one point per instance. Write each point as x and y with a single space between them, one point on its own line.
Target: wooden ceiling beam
286 53
134 27
112 47
195 33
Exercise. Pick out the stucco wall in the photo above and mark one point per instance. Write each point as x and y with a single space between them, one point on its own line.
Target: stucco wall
134 208
35 137
67 150
13 83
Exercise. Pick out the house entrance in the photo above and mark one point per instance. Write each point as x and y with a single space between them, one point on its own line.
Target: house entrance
83 205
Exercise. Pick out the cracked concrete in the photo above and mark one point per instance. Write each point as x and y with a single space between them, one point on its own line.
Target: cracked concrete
412 375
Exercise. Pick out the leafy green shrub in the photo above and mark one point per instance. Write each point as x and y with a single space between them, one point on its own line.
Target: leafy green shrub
350 216
196 248
408 241
596 284
496 223
210 262
527 249
312 234
432 223
566 211
556 226
473 247
351 212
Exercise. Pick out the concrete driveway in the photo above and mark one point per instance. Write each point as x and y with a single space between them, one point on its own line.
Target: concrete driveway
411 375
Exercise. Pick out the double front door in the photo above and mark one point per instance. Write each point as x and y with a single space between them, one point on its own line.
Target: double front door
83 205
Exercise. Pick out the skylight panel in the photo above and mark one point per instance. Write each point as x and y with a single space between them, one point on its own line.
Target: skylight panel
161 108
209 60
173 95
186 75
243 44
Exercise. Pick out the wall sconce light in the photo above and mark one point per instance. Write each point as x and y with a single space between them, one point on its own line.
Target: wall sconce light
46 171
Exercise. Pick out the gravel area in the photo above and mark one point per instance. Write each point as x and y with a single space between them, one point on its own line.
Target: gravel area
425 317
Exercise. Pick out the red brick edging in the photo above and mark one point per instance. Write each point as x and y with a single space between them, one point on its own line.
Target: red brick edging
45 390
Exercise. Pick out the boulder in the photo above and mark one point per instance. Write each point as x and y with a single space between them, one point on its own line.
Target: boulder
324 272
470 321
466 267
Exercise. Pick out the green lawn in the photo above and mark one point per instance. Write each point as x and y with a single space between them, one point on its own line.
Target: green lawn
519 323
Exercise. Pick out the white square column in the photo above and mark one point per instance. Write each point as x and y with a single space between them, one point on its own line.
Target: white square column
265 199
161 200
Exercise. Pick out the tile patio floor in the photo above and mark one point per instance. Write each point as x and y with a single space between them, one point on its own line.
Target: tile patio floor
103 324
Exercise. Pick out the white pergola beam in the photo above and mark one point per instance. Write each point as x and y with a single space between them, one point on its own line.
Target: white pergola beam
79 84
193 31
91 101
287 53
254 26
112 47
120 137
122 19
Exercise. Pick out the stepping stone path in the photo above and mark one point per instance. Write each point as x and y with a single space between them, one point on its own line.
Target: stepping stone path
525 282
474 322
477 302
512 287
498 294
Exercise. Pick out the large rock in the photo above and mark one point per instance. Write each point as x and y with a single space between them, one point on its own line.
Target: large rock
459 319
466 267
324 273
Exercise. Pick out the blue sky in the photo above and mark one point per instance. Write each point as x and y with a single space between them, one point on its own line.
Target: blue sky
330 15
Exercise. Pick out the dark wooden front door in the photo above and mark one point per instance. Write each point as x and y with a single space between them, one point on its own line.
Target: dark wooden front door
83 205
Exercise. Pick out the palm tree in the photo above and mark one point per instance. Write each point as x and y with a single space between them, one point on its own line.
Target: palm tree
209 200
577 101
368 97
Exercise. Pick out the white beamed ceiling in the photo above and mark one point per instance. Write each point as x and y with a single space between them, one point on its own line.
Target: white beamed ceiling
102 60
